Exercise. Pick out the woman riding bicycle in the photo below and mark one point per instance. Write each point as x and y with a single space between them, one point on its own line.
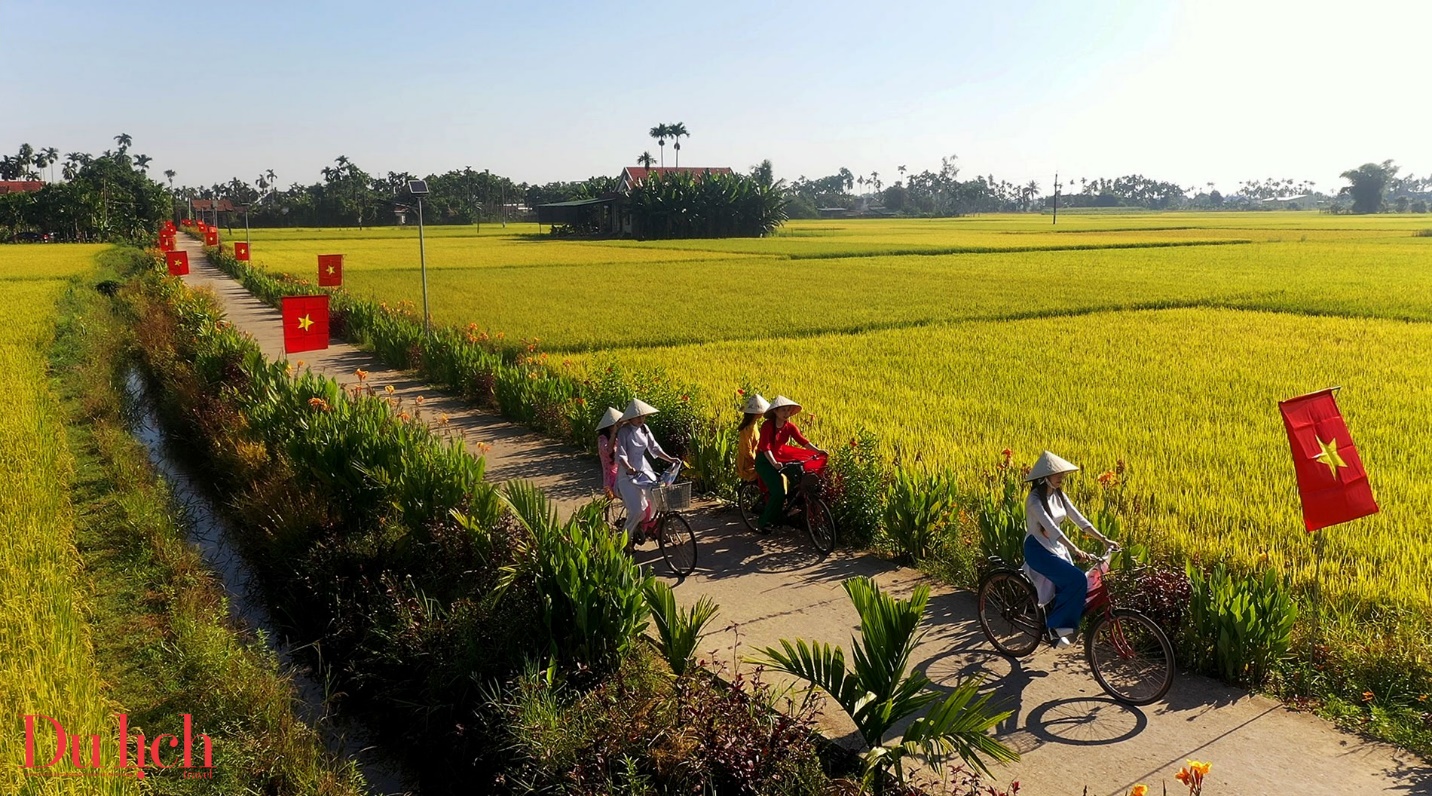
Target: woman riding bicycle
635 443
749 432
772 455
1049 552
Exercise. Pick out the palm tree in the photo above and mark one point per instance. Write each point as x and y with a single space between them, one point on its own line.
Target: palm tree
124 140
677 131
875 180
169 174
52 156
142 163
901 169
661 132
645 159
881 689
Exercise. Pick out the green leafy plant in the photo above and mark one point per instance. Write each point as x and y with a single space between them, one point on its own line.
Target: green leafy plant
592 594
678 630
999 512
880 690
1239 627
855 489
918 508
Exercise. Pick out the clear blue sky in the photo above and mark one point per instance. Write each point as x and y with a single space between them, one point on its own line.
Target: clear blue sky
1189 91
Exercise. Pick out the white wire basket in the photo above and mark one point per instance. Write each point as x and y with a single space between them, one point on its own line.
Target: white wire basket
676 497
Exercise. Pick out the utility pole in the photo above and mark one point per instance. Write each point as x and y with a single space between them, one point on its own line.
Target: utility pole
1056 198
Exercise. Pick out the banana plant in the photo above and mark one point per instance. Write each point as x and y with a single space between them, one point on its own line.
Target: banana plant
880 690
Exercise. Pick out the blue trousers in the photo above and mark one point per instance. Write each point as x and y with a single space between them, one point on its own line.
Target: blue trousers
1070 585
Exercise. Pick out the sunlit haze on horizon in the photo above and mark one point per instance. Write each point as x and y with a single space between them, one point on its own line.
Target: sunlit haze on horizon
1192 92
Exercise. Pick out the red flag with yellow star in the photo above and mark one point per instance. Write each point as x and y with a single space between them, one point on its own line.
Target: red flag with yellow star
330 270
1331 480
305 323
211 236
178 262
241 252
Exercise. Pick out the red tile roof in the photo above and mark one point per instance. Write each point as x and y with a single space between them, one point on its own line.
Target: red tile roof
20 186
225 205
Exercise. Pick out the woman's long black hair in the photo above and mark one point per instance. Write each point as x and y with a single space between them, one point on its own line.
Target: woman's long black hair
749 419
1040 487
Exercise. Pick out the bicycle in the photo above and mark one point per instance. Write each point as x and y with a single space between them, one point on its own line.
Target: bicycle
665 523
803 501
1131 656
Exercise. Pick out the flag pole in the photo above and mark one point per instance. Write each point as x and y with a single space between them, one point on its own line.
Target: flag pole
1318 555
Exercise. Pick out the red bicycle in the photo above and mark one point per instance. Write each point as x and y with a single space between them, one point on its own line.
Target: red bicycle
1130 655
804 505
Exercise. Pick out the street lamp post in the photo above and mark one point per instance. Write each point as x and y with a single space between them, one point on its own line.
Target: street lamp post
419 189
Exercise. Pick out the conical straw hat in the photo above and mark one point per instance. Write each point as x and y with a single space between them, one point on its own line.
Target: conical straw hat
756 405
781 401
611 418
638 408
1048 465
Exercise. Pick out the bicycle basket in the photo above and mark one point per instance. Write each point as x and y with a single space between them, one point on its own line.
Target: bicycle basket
676 497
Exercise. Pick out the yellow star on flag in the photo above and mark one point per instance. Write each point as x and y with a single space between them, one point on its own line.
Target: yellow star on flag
330 270
306 321
1329 455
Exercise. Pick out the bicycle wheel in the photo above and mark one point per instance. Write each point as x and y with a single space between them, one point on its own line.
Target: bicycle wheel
678 544
750 502
820 524
615 513
1131 657
1009 615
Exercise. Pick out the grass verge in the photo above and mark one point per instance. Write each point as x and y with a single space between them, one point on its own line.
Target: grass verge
161 630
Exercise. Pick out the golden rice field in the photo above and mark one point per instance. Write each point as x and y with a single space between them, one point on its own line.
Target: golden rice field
46 662
1164 340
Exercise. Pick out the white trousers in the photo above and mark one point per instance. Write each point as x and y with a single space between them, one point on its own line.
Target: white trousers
634 499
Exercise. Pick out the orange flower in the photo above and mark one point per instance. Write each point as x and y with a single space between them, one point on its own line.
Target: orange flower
418 400
403 416
319 404
1368 696
1140 790
1192 774
361 374
388 389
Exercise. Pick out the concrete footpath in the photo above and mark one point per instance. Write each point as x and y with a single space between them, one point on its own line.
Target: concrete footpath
1070 734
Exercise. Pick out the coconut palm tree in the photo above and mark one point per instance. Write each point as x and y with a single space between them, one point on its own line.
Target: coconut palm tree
677 132
169 175
142 163
124 140
645 160
52 156
661 132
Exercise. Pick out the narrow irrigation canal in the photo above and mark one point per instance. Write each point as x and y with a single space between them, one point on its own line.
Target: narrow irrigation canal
207 529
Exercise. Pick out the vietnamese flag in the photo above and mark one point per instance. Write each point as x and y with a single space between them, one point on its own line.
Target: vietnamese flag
1331 479
330 270
305 323
178 262
211 237
241 252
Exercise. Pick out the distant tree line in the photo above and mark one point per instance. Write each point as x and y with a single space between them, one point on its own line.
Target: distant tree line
108 197
943 193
